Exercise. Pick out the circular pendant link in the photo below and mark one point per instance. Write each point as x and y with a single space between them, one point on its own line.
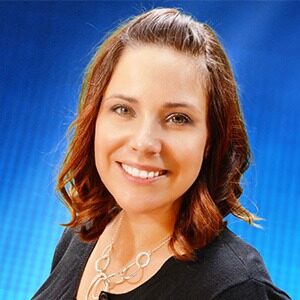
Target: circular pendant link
143 259
116 278
131 271
103 262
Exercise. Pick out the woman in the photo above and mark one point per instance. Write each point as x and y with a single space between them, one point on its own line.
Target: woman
153 167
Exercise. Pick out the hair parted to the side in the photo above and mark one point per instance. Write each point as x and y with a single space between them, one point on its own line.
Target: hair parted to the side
216 191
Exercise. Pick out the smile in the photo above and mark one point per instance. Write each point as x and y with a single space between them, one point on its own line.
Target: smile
138 173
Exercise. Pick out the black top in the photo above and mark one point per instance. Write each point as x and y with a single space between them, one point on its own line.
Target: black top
226 269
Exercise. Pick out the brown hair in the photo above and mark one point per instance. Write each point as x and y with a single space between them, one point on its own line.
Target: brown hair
216 191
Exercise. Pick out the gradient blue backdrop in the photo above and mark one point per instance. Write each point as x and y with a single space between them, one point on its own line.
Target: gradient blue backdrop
44 47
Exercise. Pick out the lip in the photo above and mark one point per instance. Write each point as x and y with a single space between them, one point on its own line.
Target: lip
141 167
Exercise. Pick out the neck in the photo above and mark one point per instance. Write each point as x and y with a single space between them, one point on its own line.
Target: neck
142 232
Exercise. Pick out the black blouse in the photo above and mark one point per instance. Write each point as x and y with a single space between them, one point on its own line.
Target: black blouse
227 269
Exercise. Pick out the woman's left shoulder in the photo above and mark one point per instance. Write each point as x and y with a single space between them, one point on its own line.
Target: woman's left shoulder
235 267
252 289
237 256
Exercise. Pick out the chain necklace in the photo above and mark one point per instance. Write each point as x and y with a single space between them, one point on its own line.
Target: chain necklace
141 261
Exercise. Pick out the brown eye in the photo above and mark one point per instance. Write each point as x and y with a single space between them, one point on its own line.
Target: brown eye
179 119
122 110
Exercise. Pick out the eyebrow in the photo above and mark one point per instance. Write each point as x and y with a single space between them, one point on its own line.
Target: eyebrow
166 104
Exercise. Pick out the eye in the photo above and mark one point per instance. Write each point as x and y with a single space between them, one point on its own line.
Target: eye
122 110
179 119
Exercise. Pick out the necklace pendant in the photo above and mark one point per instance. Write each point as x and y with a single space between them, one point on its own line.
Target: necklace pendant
143 259
103 262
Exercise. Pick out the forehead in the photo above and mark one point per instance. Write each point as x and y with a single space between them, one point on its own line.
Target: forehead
151 71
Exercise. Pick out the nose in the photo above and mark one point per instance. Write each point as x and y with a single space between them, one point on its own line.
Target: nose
145 140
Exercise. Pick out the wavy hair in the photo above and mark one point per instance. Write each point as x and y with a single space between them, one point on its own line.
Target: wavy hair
217 189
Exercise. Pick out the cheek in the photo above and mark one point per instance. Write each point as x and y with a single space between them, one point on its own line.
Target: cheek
191 154
108 139
190 146
105 135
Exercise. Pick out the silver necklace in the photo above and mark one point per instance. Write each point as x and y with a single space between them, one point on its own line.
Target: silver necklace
130 271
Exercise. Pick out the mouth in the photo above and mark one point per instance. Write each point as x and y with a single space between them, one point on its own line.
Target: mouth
141 173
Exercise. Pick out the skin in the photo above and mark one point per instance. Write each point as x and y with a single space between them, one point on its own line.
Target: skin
153 117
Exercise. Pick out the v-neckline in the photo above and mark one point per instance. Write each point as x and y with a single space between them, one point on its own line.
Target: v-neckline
149 282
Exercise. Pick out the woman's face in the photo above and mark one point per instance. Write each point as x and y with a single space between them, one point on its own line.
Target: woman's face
151 129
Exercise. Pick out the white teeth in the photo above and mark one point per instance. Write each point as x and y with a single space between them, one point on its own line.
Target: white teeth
134 172
139 173
143 174
151 174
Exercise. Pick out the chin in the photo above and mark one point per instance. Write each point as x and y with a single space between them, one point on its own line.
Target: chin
147 207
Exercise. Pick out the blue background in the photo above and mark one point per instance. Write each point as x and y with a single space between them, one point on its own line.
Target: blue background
44 48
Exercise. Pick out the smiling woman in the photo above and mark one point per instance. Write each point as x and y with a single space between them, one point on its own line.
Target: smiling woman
161 130
153 167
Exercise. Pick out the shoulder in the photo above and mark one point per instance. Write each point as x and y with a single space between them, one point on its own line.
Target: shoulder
251 289
232 266
68 246
68 263
230 255
238 258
